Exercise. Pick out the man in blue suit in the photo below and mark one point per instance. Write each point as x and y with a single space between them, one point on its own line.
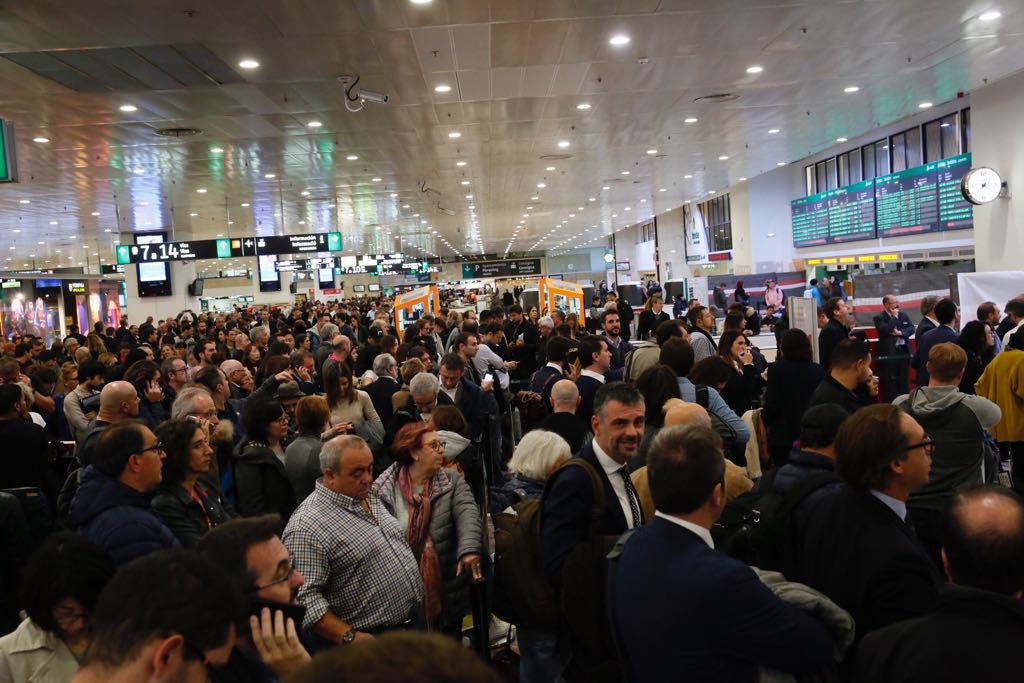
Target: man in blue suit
682 611
945 313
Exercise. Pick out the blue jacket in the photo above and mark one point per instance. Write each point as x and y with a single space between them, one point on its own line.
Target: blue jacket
941 334
682 611
118 518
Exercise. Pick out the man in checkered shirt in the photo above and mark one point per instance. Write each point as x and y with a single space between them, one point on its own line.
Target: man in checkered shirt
361 577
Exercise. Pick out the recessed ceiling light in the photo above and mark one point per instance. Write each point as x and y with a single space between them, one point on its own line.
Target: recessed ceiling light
652 151
201 190
302 222
443 87
469 196
95 213
128 108
742 179
40 139
375 179
583 106
563 144
773 131
755 69
24 201
304 193
541 186
619 40
249 64
270 176
550 168
454 135
851 89
216 150
421 2
723 158
193 214
534 198
842 139
245 204
661 189
405 206
313 124
925 105
606 187
991 15
781 163
53 222
623 172
692 119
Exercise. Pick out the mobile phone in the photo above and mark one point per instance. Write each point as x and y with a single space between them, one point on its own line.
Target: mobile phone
295 612
488 377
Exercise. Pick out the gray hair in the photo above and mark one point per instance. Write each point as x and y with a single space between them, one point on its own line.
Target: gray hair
928 303
423 384
231 365
185 403
330 454
546 321
258 331
383 363
328 330
538 453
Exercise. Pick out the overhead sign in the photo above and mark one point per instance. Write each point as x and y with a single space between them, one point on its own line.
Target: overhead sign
299 244
289 266
622 265
111 270
515 268
10 284
76 287
190 250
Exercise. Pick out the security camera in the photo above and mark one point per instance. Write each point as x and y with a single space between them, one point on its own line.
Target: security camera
371 96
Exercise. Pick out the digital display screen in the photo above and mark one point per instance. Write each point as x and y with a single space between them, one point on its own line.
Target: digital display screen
358 288
907 202
955 212
374 288
325 277
851 212
152 272
810 220
270 281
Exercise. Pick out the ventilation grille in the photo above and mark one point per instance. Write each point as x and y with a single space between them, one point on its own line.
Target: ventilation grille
149 67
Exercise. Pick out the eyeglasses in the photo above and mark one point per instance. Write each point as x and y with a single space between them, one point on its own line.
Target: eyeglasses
928 445
155 447
438 446
208 415
276 582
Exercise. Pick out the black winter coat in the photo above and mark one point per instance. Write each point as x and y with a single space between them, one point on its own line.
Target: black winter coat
261 484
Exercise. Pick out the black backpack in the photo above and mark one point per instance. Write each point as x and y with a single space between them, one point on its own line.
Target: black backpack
758 528
724 429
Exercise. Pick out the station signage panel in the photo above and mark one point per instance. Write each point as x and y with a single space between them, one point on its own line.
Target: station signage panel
76 287
289 266
189 250
298 244
514 268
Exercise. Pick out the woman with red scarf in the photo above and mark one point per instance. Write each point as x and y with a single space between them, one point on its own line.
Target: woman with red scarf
442 523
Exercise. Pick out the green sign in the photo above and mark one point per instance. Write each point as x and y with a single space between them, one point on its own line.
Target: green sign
124 254
334 241
6 144
223 248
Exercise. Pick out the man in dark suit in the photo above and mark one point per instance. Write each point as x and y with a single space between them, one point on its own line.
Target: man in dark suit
457 390
928 321
555 369
523 340
679 609
385 386
595 360
894 332
849 384
859 547
567 522
979 612
945 313
564 400
835 331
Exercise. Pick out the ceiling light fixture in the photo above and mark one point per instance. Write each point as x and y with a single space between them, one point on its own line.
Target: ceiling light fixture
313 124
128 108
623 172
692 119
249 64
442 88
201 190
652 151
455 135
781 163
851 89
270 176
842 139
375 179
661 189
24 201
925 105
991 15
95 213
687 176
563 144
619 40
583 106
773 131
40 139
541 186
742 179
755 69
245 204
723 158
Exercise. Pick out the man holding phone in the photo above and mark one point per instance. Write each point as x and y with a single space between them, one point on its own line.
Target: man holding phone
523 339
249 550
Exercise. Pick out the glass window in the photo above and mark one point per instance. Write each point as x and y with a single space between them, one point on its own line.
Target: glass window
965 130
717 212
899 152
844 169
822 177
809 179
914 156
830 170
855 171
868 161
932 142
882 157
950 140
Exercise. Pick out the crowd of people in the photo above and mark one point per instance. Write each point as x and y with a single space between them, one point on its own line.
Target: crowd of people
306 492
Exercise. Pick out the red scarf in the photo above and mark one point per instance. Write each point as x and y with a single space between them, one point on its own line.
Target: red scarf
417 534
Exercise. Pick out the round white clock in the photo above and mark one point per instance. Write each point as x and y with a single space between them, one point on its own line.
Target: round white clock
981 185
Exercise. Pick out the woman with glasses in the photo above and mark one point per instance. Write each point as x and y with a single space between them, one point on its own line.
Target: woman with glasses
441 520
187 506
60 585
261 483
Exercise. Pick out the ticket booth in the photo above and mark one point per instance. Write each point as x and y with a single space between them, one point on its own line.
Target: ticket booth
561 295
412 306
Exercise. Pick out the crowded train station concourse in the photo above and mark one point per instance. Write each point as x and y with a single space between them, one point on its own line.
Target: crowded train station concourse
511 340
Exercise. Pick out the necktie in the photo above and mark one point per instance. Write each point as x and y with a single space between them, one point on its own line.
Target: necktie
634 504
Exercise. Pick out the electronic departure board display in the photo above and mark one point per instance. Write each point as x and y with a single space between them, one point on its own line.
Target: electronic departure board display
907 202
299 244
810 220
851 212
183 251
955 212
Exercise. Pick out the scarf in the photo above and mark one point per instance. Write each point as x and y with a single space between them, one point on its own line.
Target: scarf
417 534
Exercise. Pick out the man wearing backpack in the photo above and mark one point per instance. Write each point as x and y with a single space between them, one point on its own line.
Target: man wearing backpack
584 511
956 422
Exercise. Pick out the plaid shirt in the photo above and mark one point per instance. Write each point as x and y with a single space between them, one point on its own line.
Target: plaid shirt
357 564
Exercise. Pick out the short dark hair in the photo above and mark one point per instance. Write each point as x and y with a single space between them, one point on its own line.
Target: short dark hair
418 350
795 346
849 351
666 330
558 348
140 373
733 321
990 559
712 371
453 362
677 354
986 309
695 314
115 445
515 308
492 328
450 419
462 340
227 545
589 346
176 438
10 396
831 307
868 442
21 349
209 376
258 416
65 565
684 464
820 424
620 392
194 599
607 312
945 311
89 369
1015 306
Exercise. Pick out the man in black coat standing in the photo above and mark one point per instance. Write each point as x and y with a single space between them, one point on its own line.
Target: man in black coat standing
385 386
860 548
849 384
894 332
596 361
523 340
978 613
834 332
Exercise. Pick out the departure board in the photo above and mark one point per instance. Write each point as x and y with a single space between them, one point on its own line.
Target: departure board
851 212
955 212
907 202
810 220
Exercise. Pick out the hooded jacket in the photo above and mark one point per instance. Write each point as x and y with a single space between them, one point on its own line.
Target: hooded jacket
118 518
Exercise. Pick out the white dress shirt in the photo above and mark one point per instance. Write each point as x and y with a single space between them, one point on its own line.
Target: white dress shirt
894 504
703 533
591 373
611 468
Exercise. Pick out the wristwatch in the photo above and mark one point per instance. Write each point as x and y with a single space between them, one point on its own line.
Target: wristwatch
348 636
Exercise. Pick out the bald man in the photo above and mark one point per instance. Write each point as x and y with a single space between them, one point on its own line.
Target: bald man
565 398
681 413
118 402
979 612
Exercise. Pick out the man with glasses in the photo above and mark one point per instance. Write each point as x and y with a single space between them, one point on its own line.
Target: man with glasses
175 375
860 548
112 505
168 617
250 551
239 378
